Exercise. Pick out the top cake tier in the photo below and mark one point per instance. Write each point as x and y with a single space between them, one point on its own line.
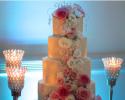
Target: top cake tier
68 19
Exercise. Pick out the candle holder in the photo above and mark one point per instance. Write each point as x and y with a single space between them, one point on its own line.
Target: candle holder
112 66
13 57
16 80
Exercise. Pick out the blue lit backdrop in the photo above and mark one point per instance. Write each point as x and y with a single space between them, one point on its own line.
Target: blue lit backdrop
27 23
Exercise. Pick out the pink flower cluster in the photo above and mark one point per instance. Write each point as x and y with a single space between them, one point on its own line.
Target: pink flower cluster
65 86
62 13
60 94
82 94
63 92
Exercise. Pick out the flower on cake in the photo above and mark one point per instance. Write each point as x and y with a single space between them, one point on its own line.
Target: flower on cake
71 33
76 43
75 63
70 97
82 94
63 92
62 13
83 80
77 53
65 42
68 72
54 95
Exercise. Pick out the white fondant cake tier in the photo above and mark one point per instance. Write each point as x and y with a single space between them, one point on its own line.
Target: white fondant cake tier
67 70
58 25
51 68
62 47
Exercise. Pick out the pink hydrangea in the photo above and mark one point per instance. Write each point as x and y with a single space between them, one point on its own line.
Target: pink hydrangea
82 94
63 92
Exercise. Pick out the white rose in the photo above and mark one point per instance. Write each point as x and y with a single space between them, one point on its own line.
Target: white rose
77 43
77 53
71 63
65 43
70 97
75 63
79 62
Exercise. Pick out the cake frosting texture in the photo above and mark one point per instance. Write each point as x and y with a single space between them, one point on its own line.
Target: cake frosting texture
58 47
67 69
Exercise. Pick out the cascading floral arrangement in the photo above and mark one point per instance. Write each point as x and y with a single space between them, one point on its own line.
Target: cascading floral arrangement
71 84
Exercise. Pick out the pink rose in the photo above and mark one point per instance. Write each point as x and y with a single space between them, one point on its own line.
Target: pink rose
83 80
82 94
67 72
68 86
62 12
54 95
73 75
63 92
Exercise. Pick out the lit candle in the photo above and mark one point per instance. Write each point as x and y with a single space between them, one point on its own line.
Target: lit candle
112 66
112 63
13 57
16 79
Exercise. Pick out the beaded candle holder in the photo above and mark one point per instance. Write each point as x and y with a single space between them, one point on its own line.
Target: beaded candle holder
13 57
112 66
16 80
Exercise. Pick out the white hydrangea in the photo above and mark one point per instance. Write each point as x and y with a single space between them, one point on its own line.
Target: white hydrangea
77 53
65 42
75 63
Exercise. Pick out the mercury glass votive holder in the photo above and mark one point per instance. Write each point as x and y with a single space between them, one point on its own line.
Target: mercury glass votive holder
13 57
16 80
112 66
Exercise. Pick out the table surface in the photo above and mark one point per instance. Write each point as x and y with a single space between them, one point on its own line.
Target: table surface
29 91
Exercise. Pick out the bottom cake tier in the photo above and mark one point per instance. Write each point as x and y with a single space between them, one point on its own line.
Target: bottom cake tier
47 92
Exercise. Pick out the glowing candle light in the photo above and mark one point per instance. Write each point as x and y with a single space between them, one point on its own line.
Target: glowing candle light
13 57
16 80
112 66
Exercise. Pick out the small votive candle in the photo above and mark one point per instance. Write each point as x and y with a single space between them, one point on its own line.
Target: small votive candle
112 63
13 57
16 78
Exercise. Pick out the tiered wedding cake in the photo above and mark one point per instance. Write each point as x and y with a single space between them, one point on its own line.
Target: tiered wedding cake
67 70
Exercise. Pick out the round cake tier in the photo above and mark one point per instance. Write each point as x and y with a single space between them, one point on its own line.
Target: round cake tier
58 25
62 48
52 67
44 90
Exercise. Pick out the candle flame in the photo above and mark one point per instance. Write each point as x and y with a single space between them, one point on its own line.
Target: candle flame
112 62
